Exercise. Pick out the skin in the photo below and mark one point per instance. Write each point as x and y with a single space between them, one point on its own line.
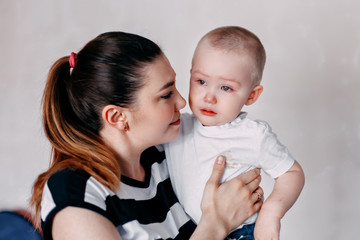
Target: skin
286 190
154 119
221 84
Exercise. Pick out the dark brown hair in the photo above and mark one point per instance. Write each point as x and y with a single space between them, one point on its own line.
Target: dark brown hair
108 70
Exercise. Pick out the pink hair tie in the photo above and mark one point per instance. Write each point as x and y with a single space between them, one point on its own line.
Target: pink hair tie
72 59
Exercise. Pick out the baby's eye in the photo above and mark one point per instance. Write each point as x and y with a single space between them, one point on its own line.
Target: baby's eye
201 82
226 88
167 96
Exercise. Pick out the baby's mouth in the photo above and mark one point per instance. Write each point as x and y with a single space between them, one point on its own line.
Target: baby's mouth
207 112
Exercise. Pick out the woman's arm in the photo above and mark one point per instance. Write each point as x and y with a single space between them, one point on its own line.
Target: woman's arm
226 206
286 190
79 223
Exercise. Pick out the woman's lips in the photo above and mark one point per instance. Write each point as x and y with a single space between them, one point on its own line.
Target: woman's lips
208 112
177 122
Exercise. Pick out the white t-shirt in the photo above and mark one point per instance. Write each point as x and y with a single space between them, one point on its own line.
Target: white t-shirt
245 143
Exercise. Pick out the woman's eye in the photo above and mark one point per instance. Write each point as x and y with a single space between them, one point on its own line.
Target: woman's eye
201 82
167 96
226 88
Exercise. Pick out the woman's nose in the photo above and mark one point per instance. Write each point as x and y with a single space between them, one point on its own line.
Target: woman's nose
181 102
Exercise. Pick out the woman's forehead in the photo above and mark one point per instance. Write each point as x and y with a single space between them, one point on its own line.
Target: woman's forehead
159 74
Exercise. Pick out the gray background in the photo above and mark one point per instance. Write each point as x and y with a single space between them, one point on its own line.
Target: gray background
311 86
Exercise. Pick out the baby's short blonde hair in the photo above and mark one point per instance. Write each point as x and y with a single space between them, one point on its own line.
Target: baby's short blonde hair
241 41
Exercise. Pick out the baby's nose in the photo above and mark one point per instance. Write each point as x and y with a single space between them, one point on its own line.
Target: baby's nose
210 98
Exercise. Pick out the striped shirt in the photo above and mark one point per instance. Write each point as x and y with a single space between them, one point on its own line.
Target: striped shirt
139 210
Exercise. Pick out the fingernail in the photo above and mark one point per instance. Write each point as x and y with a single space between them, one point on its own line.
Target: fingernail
220 160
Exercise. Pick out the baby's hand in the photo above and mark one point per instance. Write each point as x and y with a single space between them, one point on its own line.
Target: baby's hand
267 228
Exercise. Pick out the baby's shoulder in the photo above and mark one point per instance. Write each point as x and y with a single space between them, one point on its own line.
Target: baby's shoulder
259 126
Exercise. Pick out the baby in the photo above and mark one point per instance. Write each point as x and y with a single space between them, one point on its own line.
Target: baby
226 72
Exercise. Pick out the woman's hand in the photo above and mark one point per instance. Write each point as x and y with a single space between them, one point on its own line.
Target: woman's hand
226 206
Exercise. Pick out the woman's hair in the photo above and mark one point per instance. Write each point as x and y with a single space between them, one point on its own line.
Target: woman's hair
241 41
108 70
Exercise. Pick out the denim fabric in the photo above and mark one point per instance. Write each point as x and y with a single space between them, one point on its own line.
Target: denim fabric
244 233
14 226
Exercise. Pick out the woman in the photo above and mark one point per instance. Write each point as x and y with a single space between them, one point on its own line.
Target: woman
103 111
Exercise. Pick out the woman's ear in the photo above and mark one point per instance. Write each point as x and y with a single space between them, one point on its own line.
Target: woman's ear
254 95
115 116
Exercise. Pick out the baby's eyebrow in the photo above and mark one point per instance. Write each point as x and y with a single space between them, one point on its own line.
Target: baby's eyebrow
198 72
230 80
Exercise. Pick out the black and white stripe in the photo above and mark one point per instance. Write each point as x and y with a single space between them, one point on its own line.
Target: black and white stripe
139 210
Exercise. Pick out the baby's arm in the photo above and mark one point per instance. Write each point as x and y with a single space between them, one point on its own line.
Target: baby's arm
286 190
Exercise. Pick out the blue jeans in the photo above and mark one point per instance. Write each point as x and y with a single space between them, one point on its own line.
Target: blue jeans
244 233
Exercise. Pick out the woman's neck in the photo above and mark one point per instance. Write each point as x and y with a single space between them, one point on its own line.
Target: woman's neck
127 153
130 167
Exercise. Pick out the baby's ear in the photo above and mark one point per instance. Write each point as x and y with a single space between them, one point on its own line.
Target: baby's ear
254 95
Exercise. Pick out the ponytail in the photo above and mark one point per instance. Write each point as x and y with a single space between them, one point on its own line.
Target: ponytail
72 147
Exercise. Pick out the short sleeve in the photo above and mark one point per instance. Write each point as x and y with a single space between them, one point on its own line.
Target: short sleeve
274 157
75 188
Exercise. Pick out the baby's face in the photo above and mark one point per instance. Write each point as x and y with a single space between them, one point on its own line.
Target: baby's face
220 85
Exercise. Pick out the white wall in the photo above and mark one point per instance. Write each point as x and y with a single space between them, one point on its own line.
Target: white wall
311 84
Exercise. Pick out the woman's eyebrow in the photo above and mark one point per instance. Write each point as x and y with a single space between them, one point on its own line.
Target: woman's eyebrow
167 85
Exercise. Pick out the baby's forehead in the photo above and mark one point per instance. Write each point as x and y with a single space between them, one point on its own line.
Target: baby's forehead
240 51
208 53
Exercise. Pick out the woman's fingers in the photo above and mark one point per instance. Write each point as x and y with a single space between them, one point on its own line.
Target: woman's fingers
250 176
218 170
257 206
251 180
257 194
232 202
212 185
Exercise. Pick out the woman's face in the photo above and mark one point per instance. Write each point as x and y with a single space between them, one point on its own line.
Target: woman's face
155 117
